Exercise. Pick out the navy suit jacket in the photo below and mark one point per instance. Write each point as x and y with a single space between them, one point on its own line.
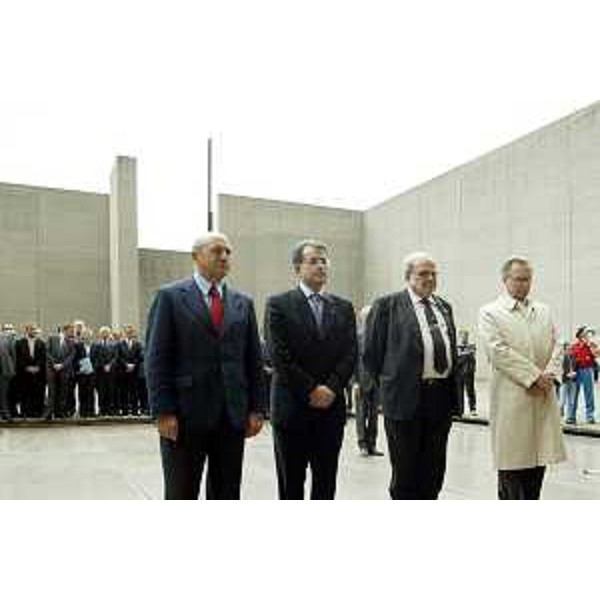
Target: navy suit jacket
195 372
303 358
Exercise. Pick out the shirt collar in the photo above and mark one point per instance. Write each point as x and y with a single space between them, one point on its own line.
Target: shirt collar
511 303
307 291
204 284
416 299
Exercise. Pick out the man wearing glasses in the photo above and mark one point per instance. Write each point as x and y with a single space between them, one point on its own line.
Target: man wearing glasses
410 351
311 339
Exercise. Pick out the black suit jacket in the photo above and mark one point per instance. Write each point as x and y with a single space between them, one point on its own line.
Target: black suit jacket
394 355
191 369
57 354
131 355
24 358
102 355
303 359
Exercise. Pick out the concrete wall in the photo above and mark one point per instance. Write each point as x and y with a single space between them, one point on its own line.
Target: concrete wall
54 259
538 196
156 268
263 233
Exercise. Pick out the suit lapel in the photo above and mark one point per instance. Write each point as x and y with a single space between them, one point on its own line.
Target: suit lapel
329 315
193 299
305 311
232 305
412 322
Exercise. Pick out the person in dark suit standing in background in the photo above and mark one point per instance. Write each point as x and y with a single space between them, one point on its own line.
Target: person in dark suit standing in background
30 354
60 355
84 374
367 403
311 337
410 351
103 356
205 375
465 373
129 358
7 370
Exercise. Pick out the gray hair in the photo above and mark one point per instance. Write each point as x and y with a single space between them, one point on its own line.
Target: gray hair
208 238
298 250
410 259
513 260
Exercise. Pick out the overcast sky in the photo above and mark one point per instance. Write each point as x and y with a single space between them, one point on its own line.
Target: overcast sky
339 103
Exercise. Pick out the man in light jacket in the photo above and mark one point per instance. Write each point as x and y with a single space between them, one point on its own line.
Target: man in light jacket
521 342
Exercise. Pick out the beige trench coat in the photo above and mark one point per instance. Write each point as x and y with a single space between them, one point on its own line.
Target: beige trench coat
521 343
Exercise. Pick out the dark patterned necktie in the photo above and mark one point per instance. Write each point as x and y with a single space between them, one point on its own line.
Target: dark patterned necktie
316 305
440 359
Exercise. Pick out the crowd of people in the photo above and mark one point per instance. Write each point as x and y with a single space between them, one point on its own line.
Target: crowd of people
74 372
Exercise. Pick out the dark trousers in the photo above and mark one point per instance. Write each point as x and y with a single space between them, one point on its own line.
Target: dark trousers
520 484
142 391
60 388
417 450
183 463
105 387
317 446
87 401
32 392
5 411
466 382
129 393
366 418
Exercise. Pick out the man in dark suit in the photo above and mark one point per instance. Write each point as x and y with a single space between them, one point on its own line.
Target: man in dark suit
410 351
7 371
129 359
103 355
205 375
30 354
60 356
84 374
466 365
311 337
367 404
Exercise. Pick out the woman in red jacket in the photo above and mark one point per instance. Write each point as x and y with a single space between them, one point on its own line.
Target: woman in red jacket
585 351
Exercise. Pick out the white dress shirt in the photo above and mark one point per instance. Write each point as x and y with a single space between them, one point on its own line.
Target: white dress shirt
204 285
429 371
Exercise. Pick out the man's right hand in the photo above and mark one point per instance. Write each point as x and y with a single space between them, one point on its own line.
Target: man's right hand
543 384
168 427
321 397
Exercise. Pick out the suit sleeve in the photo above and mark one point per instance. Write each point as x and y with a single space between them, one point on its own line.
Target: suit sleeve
279 350
502 357
344 368
254 367
160 345
376 332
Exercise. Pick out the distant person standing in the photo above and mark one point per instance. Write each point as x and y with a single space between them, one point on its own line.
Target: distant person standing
7 369
103 355
367 403
585 352
568 384
31 372
60 355
84 373
465 373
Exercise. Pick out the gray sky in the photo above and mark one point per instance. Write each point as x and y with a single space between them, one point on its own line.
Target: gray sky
339 103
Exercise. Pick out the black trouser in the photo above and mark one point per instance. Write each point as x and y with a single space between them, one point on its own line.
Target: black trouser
70 402
87 401
466 382
129 393
183 462
105 385
60 387
142 391
366 418
520 484
5 411
32 392
14 401
318 446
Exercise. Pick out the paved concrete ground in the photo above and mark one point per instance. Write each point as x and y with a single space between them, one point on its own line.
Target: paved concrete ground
122 462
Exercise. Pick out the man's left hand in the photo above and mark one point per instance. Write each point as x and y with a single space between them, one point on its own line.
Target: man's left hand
254 424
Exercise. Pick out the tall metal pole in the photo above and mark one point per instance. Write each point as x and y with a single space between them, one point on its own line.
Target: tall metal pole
210 212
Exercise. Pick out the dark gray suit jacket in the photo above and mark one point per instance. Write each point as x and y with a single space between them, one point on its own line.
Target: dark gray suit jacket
394 355
194 372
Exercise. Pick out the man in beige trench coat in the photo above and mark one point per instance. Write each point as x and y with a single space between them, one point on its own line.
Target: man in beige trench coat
521 343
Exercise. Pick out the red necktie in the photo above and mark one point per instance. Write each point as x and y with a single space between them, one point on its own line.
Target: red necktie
216 308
